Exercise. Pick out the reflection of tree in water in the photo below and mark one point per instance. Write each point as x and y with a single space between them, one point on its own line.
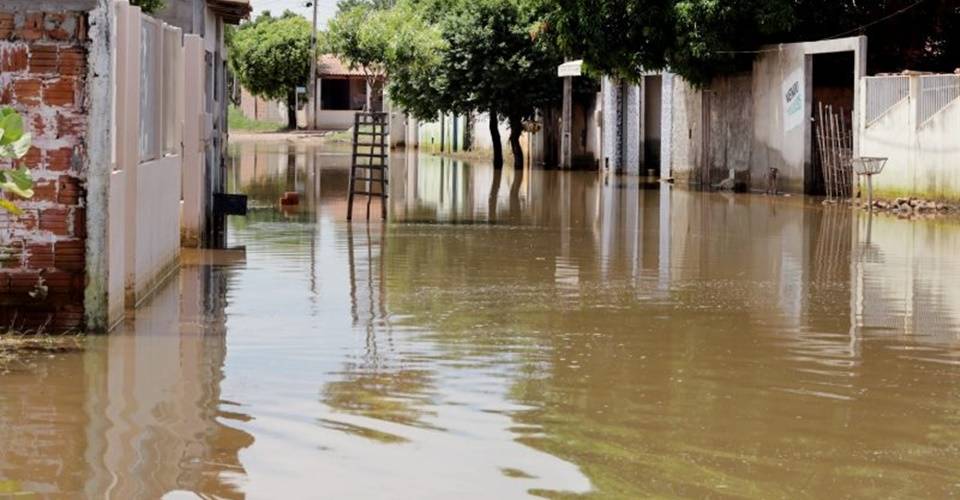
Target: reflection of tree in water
382 384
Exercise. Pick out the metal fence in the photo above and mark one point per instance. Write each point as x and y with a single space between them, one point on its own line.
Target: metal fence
936 93
883 93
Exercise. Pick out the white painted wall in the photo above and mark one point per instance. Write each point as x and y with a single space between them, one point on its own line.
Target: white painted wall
923 158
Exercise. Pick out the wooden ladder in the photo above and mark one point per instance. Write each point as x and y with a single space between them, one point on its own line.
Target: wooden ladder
371 154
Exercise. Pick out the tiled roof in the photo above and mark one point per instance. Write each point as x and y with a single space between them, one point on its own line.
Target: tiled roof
232 11
328 66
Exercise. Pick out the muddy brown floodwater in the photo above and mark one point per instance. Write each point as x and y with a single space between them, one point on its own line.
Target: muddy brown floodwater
550 334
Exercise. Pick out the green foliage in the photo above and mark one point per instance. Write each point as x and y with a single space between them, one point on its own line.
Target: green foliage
271 55
237 121
699 39
346 5
14 144
149 6
921 36
694 38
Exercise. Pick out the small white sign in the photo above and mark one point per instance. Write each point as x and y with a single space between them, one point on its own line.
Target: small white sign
570 68
793 102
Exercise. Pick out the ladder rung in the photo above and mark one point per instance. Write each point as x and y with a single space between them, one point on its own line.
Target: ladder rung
371 167
365 145
368 193
385 181
371 155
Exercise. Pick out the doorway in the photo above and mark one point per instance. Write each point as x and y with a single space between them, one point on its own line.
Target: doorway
832 89
652 88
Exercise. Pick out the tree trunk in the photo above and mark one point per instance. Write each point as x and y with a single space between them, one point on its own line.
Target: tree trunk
516 130
495 140
292 110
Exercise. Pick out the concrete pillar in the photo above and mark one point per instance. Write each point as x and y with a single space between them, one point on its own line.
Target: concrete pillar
566 122
128 132
666 126
193 144
630 136
610 124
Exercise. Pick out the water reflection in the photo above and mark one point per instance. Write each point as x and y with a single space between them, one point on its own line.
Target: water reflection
139 413
508 334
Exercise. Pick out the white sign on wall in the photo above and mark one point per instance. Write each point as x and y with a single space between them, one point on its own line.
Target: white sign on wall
793 100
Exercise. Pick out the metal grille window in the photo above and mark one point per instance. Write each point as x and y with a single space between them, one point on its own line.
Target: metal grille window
936 93
883 93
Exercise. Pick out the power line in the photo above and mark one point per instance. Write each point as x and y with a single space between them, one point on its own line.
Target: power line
878 21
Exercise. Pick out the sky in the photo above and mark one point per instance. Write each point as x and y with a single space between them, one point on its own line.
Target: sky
327 8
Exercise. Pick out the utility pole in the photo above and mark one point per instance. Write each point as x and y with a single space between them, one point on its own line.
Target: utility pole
312 86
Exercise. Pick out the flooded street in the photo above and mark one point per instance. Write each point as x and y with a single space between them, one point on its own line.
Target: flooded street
504 335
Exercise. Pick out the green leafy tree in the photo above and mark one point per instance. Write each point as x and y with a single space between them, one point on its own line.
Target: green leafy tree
497 61
271 58
457 57
149 6
381 42
346 5
694 38
14 144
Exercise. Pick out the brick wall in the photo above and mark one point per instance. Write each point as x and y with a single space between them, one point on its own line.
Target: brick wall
42 75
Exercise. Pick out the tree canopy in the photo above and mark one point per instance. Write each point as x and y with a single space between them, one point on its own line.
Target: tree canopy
149 6
455 57
271 57
699 39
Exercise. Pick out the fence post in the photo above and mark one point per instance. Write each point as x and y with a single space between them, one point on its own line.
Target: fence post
193 152
128 131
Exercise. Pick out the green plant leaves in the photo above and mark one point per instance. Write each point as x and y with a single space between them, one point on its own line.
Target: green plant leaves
14 143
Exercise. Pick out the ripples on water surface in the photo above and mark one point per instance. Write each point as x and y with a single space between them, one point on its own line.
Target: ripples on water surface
552 334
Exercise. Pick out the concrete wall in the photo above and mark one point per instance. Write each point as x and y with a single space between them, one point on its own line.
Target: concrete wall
260 109
749 129
923 158
44 62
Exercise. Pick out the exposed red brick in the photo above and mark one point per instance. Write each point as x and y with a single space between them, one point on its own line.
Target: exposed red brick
27 91
70 255
39 256
64 283
45 191
12 256
60 160
14 58
70 124
29 27
72 61
6 25
37 126
60 92
44 59
80 222
60 26
28 220
23 281
32 158
69 191
55 220
6 95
